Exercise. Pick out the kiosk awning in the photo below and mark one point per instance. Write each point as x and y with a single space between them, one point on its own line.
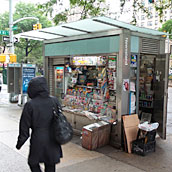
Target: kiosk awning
87 26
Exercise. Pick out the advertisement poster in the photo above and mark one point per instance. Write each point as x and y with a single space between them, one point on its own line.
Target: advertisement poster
125 84
112 61
133 61
28 74
89 60
59 73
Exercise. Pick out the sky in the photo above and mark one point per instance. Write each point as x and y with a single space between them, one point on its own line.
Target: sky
5 3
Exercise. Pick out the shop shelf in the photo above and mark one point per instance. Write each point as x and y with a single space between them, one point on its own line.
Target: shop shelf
112 89
146 107
145 100
88 87
133 78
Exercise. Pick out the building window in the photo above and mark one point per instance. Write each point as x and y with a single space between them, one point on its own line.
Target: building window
143 2
142 11
170 17
150 9
149 23
142 24
142 17
156 15
165 12
150 16
156 22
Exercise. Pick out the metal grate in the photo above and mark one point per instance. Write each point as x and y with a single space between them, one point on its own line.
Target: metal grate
150 46
58 61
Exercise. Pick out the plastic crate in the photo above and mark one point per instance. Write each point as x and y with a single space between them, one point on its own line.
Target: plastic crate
141 148
148 136
151 136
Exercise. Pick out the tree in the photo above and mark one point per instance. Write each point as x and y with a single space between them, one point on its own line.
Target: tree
26 50
159 5
3 26
167 27
82 8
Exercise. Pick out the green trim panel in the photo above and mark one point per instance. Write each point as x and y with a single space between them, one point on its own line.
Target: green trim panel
88 46
134 44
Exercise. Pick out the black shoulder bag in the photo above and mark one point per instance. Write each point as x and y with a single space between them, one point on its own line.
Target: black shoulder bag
62 129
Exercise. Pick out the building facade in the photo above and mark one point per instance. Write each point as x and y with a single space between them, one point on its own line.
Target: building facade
143 20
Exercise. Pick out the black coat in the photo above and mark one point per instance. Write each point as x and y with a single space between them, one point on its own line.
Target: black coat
37 116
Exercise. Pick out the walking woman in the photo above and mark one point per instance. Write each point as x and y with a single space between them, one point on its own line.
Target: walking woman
37 116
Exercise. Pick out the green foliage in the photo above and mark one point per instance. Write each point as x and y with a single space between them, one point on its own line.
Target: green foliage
48 7
167 27
3 18
87 9
26 50
62 17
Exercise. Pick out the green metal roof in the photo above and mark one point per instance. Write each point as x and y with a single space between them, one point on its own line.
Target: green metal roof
87 26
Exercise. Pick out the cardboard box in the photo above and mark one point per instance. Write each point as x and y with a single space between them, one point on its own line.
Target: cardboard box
96 135
103 133
90 136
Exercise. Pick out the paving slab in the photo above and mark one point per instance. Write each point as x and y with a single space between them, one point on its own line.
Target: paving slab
101 164
157 161
11 161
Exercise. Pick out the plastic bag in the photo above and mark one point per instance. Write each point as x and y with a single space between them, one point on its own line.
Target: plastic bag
148 127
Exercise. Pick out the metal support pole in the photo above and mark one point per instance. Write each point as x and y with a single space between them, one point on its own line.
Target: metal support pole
11 26
26 18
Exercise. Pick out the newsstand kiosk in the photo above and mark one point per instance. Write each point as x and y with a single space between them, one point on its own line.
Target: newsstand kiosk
102 69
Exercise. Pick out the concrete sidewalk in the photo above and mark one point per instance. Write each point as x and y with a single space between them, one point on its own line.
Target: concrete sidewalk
76 158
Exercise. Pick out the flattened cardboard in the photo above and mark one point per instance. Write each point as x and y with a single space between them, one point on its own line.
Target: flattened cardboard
131 129
131 120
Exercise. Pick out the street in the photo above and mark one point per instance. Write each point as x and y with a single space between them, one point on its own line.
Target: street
76 158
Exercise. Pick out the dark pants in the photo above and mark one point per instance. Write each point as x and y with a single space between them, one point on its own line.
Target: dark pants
48 168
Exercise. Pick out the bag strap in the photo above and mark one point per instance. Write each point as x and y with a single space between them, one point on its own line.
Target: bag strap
56 105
